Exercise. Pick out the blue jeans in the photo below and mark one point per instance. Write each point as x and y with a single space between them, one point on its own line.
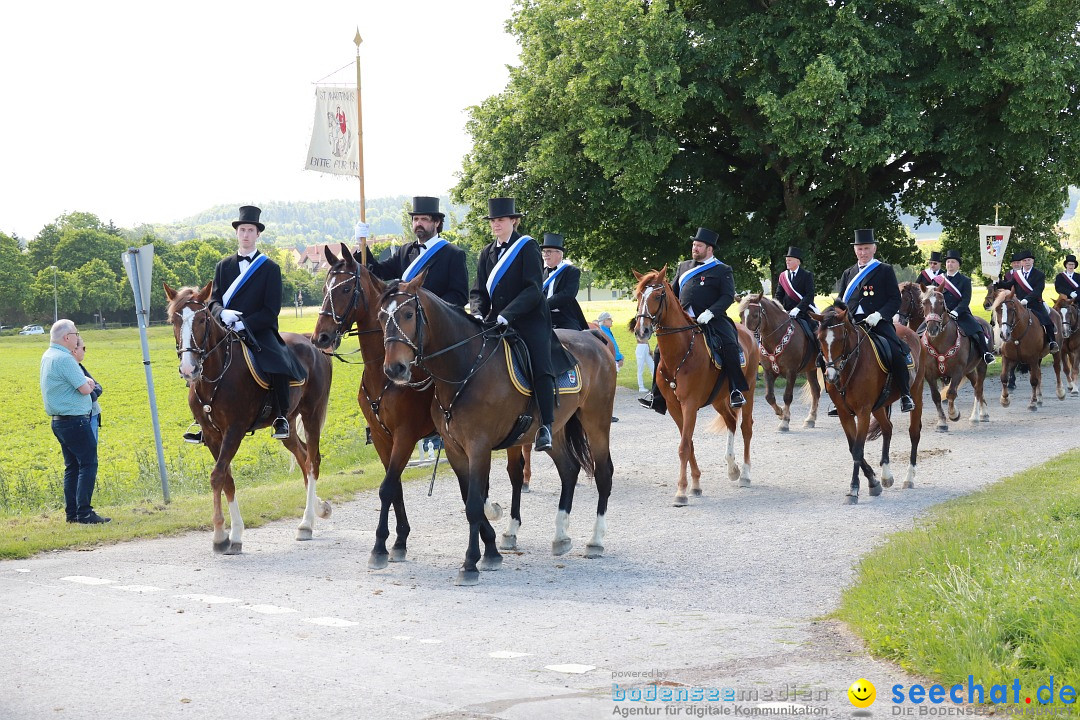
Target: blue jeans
79 445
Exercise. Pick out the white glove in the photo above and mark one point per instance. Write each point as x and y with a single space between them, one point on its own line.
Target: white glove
705 317
873 319
502 321
238 326
361 230
1024 302
229 317
954 313
1073 294
793 312
478 316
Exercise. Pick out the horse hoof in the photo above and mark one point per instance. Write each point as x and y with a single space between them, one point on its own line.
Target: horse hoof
397 554
222 547
908 485
490 562
493 511
235 548
696 492
561 547
875 490
1061 395
680 501
955 417
325 510
733 473
783 428
594 551
303 533
508 542
942 428
525 488
1033 407
377 561
744 482
984 418
808 424
851 500
467 577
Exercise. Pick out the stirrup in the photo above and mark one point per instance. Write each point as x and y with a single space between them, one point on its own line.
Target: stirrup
737 399
281 429
195 438
907 404
1054 347
988 357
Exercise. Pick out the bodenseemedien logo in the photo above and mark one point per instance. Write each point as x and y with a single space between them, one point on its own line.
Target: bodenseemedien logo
862 693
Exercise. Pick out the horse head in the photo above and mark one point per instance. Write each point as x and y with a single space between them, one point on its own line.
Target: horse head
752 313
347 295
991 295
838 338
650 294
910 301
934 310
1070 314
402 317
196 331
1006 310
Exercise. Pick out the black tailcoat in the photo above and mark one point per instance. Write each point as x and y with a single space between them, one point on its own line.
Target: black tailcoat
447 276
962 305
878 292
803 283
562 302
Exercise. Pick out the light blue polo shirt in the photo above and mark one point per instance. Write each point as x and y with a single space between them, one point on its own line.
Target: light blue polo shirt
61 379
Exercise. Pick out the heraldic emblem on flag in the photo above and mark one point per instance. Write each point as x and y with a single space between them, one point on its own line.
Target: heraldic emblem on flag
993 244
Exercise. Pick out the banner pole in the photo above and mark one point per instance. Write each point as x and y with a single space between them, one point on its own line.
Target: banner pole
360 142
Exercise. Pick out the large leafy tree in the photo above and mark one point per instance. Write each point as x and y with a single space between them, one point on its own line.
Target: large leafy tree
628 124
15 280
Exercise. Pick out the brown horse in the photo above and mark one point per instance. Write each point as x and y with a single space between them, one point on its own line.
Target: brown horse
476 408
689 380
1070 340
856 383
786 350
397 416
911 307
227 401
1022 341
950 357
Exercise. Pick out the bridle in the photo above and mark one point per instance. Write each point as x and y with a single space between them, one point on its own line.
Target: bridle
788 325
660 329
942 322
840 364
200 349
342 319
906 300
1007 327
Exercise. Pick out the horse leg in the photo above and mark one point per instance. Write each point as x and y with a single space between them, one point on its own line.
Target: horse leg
300 452
789 392
515 469
686 453
856 437
885 421
223 451
1057 373
770 395
935 395
391 493
1005 365
914 429
955 380
598 434
729 454
980 394
479 465
527 459
815 396
747 427
1035 376
568 468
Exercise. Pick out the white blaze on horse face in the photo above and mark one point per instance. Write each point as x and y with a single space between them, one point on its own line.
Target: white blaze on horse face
187 364
1004 321
830 373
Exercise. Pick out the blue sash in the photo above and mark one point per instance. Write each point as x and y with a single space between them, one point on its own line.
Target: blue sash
857 280
551 278
713 262
422 260
504 263
239 282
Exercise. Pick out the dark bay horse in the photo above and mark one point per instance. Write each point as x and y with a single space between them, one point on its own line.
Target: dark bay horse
950 357
476 408
911 307
398 416
687 378
1070 343
227 402
786 351
855 382
1023 340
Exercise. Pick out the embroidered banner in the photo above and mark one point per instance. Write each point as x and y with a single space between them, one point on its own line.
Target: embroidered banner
333 148
993 239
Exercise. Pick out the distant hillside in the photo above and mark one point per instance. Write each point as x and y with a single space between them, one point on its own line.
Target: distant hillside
290 224
934 229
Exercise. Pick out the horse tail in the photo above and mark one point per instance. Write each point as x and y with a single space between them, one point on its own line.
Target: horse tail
577 443
873 432
807 393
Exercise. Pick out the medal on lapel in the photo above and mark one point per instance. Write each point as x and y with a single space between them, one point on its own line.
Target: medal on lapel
868 290
702 280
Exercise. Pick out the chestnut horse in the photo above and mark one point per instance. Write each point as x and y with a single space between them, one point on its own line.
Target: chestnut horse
688 377
1022 341
949 357
476 408
856 382
397 416
911 307
227 402
1070 340
786 350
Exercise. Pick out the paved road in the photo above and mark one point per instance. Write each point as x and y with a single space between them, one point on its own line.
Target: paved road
726 593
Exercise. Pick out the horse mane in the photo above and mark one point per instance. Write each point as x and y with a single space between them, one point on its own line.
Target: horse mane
393 287
1002 296
930 290
183 295
832 310
648 278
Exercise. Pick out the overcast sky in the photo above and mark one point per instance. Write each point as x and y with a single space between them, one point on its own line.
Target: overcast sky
150 112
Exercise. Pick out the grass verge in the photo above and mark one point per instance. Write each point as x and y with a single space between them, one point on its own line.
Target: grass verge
988 585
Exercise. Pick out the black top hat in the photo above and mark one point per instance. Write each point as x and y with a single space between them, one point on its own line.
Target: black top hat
501 207
935 256
864 237
423 205
794 252
1023 255
953 255
553 241
249 215
1070 259
707 236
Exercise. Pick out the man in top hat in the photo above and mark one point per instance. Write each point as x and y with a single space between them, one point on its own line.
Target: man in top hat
561 283
247 299
956 287
445 263
927 276
508 292
794 289
1067 283
706 288
1028 283
870 290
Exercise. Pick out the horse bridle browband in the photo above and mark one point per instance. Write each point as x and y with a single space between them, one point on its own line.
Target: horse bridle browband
654 318
840 363
198 349
340 319
905 318
788 325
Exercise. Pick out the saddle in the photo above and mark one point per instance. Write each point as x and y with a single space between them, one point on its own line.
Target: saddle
883 354
519 367
718 363
258 375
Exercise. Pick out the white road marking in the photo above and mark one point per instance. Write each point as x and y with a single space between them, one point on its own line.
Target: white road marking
570 668
330 622
22 570
269 609
507 654
84 580
211 599
403 637
137 588
430 641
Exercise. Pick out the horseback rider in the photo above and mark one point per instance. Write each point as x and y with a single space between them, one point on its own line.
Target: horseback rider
1027 283
930 274
561 283
1067 283
447 276
956 288
247 299
508 292
794 289
870 286
705 288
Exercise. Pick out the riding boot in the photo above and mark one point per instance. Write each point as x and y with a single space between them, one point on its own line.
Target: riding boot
1049 330
544 389
280 404
902 380
654 400
984 348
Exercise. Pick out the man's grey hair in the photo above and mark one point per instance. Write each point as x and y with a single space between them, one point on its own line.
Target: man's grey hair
59 329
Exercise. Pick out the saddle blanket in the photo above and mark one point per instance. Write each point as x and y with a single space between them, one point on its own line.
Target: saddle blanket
719 365
880 350
260 379
566 383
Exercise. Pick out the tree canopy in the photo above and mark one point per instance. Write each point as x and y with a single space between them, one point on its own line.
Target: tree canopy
629 124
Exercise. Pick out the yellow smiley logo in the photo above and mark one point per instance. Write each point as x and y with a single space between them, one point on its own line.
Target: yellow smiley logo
862 693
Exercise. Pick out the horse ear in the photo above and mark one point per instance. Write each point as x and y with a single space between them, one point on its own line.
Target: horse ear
347 254
204 294
169 292
662 272
637 275
842 314
329 254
